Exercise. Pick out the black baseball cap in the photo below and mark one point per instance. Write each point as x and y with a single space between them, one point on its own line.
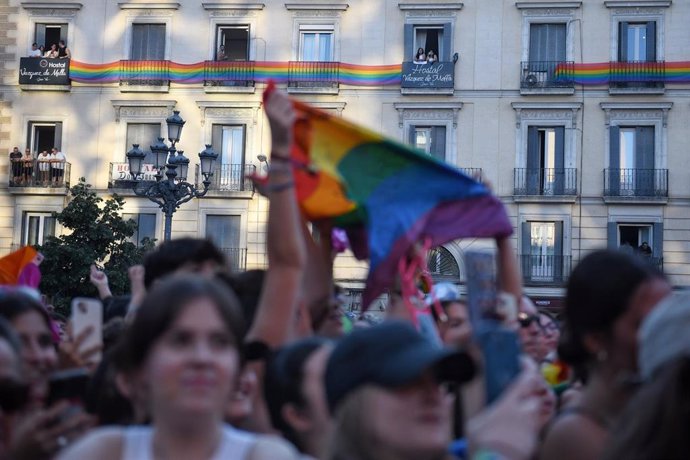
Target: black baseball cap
390 355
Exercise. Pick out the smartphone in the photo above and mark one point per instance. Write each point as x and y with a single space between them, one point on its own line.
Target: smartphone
499 344
87 313
70 385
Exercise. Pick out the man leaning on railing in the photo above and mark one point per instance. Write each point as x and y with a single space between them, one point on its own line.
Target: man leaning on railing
57 166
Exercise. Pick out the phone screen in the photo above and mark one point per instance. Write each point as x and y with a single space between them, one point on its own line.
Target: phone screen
88 313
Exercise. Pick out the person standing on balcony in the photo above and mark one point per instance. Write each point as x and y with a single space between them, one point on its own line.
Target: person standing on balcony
16 165
27 166
420 57
34 51
645 250
52 53
431 57
44 167
63 51
57 166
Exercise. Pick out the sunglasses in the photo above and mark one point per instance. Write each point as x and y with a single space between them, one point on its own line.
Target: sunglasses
526 320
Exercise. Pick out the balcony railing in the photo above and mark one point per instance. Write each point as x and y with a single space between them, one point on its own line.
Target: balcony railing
545 182
144 73
307 74
637 74
474 173
230 178
229 73
651 183
545 269
547 74
36 173
236 258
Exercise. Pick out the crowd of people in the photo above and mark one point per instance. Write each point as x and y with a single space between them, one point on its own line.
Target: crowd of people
201 363
45 169
57 50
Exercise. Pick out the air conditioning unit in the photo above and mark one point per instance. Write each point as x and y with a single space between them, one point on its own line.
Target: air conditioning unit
531 79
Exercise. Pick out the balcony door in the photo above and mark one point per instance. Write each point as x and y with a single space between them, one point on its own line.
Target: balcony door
545 174
44 136
546 50
542 251
632 161
637 41
228 142
224 231
50 34
148 42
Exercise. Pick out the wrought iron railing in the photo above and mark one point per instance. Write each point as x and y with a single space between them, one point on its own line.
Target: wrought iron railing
637 74
545 269
145 73
634 182
39 173
310 74
230 177
545 182
229 73
547 74
236 258
474 173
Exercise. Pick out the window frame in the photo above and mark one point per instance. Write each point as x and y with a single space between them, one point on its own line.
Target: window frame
137 242
145 148
142 19
218 33
330 24
641 14
413 127
42 215
318 29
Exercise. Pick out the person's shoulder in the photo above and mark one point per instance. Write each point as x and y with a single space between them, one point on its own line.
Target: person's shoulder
103 444
573 436
272 448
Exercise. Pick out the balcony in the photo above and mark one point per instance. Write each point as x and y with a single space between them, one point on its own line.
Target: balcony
422 78
229 74
44 74
545 269
119 176
236 258
636 184
637 77
49 177
474 173
230 178
308 76
145 74
545 182
547 77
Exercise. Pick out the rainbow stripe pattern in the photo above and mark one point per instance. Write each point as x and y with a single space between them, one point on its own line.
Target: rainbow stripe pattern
604 73
386 195
254 71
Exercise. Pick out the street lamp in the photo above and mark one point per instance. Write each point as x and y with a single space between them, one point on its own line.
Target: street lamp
171 191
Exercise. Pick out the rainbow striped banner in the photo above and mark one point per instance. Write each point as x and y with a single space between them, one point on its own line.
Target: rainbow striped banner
603 73
256 71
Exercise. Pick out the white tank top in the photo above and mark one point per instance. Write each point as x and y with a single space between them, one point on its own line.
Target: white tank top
235 444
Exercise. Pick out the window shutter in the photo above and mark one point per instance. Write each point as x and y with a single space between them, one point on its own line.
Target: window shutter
558 257
217 142
58 135
536 43
557 41
147 227
532 170
446 45
29 138
40 34
138 41
63 33
411 135
526 249
651 41
622 41
658 241
559 173
612 235
409 42
438 139
644 160
614 160
156 42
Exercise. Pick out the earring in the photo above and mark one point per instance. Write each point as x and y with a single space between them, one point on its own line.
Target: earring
602 356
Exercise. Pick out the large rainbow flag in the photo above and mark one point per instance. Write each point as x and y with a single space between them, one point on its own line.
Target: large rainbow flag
388 192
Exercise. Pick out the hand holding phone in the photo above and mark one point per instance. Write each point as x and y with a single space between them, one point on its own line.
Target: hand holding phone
87 329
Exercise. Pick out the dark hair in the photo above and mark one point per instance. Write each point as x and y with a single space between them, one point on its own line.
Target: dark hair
62 42
8 334
15 304
663 402
283 382
247 287
598 293
163 304
173 254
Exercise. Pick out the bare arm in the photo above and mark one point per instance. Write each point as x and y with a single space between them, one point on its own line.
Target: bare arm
509 279
285 244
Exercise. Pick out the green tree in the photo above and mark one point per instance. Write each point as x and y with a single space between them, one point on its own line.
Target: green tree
98 234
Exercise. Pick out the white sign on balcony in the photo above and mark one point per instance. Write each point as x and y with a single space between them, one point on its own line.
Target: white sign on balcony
120 171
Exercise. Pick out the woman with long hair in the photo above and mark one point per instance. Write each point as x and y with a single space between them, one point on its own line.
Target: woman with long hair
181 356
609 293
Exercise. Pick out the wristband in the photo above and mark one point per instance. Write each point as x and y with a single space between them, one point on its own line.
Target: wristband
274 188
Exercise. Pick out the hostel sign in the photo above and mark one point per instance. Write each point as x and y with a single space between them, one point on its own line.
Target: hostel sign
43 71
436 75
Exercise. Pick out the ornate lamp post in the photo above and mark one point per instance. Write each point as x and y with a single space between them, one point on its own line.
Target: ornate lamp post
171 191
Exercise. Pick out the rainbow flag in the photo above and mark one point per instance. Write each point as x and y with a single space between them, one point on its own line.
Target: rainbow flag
386 195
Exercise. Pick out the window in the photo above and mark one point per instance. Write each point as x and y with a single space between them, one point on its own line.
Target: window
316 43
229 142
542 251
429 37
442 264
430 139
545 174
232 43
547 49
146 227
148 42
638 238
631 164
37 228
50 34
224 231
144 134
637 41
44 136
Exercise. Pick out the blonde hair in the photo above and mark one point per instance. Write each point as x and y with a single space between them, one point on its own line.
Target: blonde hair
352 438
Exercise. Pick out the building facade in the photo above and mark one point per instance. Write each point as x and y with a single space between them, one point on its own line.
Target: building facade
574 111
